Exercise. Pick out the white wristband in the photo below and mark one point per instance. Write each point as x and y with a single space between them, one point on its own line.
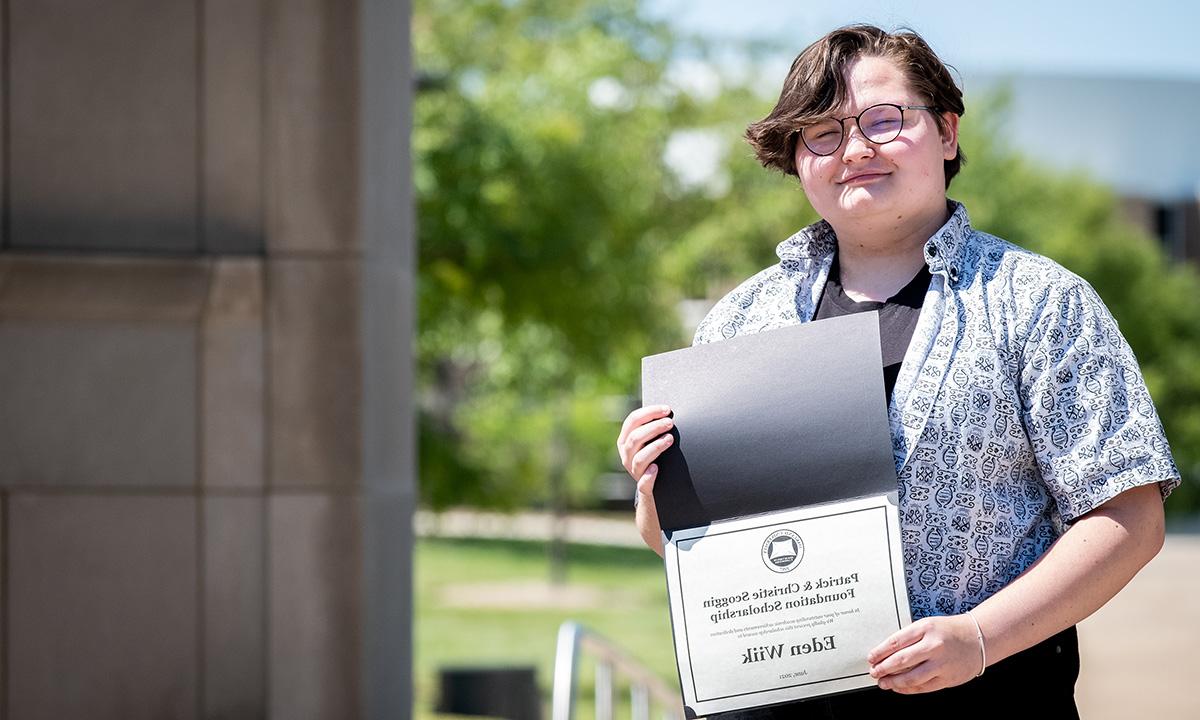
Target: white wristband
982 647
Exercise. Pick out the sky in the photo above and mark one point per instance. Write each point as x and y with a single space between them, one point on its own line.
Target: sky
1146 38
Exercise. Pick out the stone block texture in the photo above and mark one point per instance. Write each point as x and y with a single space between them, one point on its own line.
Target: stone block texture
97 404
315 646
233 111
185 529
311 127
233 376
234 607
102 607
98 370
102 124
315 373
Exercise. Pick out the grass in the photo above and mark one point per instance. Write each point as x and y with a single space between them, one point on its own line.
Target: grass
627 585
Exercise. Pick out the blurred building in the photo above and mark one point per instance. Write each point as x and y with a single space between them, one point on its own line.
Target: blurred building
206 447
1134 134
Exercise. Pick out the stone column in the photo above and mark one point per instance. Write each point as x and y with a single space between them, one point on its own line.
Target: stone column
206 304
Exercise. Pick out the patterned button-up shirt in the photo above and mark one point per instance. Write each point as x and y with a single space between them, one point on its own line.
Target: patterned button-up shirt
1019 406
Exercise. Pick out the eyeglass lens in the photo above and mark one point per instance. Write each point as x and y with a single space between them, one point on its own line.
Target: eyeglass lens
879 124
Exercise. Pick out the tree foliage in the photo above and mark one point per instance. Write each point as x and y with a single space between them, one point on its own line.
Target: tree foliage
555 241
542 211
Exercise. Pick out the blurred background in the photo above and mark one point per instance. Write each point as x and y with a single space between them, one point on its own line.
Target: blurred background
318 320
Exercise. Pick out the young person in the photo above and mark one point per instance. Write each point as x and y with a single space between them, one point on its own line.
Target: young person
1031 462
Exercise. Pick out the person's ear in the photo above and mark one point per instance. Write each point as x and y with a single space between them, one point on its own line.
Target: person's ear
949 133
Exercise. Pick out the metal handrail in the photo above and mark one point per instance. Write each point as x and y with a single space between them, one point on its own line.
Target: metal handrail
574 639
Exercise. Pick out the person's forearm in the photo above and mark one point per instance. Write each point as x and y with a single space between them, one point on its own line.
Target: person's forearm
1097 556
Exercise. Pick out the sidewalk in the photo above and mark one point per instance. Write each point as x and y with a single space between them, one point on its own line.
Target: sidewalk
589 529
1138 651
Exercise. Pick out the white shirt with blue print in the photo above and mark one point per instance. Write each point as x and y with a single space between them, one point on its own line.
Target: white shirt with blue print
1019 406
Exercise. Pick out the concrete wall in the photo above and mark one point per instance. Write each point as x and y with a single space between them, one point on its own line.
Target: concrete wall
206 449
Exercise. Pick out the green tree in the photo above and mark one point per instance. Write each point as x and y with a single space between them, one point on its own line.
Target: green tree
543 206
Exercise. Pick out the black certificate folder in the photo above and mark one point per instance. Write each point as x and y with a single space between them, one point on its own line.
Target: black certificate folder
779 511
779 419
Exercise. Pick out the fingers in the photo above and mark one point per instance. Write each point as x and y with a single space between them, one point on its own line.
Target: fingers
648 454
641 416
636 443
922 678
901 661
910 670
902 638
642 434
645 485
931 654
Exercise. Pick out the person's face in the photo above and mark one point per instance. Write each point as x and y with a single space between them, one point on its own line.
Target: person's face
890 182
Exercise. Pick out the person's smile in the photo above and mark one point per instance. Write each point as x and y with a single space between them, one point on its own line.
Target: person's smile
863 178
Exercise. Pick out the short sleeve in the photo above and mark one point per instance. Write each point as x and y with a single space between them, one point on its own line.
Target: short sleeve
1090 419
731 313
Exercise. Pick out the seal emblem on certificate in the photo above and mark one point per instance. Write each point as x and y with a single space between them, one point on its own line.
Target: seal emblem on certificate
779 513
783 550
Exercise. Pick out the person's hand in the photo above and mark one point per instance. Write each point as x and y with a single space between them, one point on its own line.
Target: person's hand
645 434
931 654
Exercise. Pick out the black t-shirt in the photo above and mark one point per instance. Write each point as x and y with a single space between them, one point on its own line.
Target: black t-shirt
897 316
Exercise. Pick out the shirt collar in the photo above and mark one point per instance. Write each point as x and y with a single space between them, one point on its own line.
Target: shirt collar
945 250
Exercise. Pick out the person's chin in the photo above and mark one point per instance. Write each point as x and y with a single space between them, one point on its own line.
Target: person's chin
863 199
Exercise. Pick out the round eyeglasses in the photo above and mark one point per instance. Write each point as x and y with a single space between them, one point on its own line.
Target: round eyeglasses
880 124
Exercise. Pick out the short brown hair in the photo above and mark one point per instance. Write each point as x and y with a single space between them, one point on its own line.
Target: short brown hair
816 85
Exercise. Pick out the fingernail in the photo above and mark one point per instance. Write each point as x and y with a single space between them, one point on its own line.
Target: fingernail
653 469
668 439
669 422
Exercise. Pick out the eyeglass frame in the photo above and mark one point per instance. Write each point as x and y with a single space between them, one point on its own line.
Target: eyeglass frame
842 123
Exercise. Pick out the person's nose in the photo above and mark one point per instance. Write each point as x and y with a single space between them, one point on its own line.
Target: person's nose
856 146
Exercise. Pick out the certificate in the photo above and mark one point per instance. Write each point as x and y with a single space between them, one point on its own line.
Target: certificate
800 597
778 507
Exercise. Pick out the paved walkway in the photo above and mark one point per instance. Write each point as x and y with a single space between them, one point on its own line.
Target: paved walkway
598 529
1139 651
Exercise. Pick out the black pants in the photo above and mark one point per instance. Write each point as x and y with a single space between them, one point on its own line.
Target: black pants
1035 683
